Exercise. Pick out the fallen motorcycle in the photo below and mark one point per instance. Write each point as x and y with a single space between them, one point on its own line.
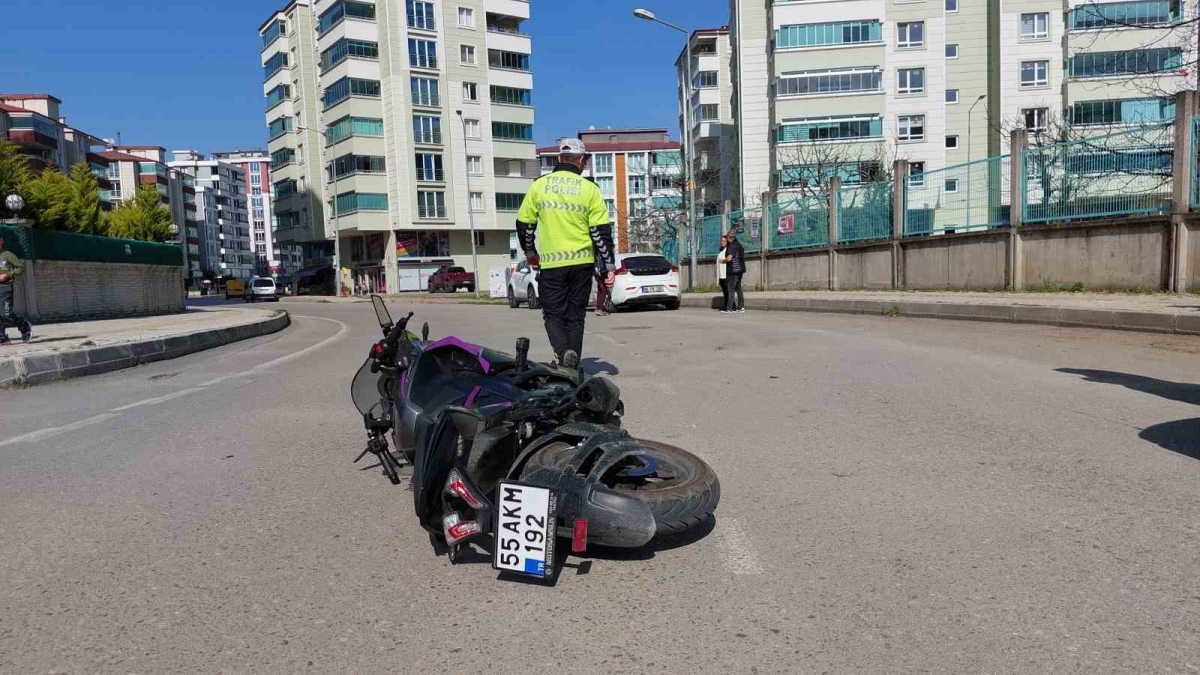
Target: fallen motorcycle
520 451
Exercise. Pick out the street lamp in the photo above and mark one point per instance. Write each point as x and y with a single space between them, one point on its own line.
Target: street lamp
15 203
470 211
969 124
647 15
175 230
337 229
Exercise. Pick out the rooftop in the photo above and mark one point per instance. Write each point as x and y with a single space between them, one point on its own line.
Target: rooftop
117 156
276 13
29 97
626 146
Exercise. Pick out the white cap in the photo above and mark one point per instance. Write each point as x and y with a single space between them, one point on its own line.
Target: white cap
572 146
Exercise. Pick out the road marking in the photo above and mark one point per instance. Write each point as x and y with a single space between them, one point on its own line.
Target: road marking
54 431
42 434
737 548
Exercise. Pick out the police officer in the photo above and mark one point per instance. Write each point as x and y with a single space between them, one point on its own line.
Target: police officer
573 240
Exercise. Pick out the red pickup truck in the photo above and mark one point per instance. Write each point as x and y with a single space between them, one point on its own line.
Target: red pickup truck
450 279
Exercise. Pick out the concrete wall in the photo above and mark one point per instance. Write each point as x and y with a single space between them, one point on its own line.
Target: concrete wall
868 267
975 262
799 270
1117 256
54 290
1193 260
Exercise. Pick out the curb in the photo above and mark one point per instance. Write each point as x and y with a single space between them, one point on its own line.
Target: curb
38 368
1072 317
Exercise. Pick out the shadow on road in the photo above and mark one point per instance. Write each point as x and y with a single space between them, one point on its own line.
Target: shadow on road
1175 391
1182 436
594 366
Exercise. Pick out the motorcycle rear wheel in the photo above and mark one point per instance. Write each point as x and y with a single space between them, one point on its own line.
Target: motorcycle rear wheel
682 491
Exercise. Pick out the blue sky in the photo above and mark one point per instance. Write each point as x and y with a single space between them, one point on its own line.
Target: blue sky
187 76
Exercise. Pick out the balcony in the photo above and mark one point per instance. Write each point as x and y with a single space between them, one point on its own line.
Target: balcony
431 212
431 175
428 138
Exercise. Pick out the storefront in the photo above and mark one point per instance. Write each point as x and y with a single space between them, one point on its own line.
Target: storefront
366 264
419 253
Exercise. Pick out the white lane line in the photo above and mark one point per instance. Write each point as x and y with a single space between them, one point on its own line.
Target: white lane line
737 548
54 431
42 434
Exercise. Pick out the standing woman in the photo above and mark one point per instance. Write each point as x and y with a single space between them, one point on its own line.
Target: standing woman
721 272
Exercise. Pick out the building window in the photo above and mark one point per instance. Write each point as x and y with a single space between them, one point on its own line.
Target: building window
256 178
508 60
1035 74
470 91
635 162
353 202
477 201
1035 26
1121 111
822 34
420 15
833 81
479 238
1129 62
425 91
951 185
512 131
602 163
952 51
278 95
342 9
353 126
275 64
606 185
910 35
283 157
708 112
422 54
466 54
911 128
612 208
474 165
1093 15
429 167
706 79
952 142
344 49
427 129
916 173
508 201
830 129
347 87
1035 118
473 130
912 81
466 17
951 96
431 204
511 96
951 5
348 165
637 185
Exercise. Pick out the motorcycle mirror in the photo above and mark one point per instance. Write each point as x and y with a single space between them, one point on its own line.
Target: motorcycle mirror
425 332
381 312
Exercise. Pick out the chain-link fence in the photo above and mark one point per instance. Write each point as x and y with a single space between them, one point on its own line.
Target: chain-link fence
960 198
799 222
864 212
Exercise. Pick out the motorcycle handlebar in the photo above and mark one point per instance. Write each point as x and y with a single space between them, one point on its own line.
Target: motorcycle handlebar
397 330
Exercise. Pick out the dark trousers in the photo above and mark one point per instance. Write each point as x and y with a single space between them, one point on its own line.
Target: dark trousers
7 316
601 293
564 295
724 293
734 300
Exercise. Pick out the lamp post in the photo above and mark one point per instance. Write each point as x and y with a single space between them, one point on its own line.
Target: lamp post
647 15
337 230
182 232
970 119
470 211
15 203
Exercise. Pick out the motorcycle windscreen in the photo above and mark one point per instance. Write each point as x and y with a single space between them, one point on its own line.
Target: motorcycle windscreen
364 390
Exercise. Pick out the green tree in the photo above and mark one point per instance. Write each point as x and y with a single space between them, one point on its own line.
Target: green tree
14 171
47 198
144 217
84 214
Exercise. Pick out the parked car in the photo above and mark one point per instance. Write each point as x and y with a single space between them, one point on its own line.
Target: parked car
523 287
235 288
644 279
262 288
450 279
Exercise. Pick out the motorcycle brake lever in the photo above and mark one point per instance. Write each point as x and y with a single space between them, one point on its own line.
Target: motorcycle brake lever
361 455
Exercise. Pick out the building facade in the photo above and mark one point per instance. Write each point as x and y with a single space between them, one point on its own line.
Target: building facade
221 214
709 112
271 257
640 174
409 121
33 123
824 89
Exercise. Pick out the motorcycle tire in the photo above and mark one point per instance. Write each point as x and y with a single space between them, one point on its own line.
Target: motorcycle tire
680 504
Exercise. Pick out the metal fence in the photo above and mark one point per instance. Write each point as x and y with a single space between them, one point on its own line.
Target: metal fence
801 222
1126 173
708 234
864 212
749 224
43 244
960 198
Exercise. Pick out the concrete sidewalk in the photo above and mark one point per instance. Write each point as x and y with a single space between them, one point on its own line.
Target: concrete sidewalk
64 350
1158 312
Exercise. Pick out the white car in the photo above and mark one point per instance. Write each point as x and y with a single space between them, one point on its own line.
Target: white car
523 287
644 279
262 288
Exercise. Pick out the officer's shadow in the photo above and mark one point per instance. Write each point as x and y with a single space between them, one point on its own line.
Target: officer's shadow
594 366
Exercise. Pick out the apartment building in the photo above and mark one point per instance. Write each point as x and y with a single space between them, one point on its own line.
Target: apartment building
711 116
850 86
222 214
184 214
33 122
271 257
425 119
640 174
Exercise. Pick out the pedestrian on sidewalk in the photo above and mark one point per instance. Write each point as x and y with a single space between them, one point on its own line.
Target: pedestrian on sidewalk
722 264
735 262
11 267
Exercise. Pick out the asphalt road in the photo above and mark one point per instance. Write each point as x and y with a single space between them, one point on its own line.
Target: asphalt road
899 496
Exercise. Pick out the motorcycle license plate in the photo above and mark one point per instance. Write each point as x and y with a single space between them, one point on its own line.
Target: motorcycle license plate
653 289
525 529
